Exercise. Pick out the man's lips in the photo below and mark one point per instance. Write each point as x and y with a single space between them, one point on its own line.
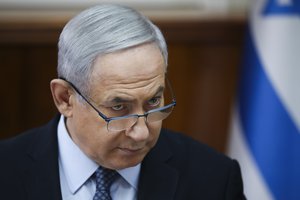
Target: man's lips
130 150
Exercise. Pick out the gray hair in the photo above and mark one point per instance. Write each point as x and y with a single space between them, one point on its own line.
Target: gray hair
100 30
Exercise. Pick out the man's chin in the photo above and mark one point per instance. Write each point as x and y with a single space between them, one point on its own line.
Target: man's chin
124 162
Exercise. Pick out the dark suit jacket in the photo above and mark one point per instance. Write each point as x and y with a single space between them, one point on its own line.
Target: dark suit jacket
176 168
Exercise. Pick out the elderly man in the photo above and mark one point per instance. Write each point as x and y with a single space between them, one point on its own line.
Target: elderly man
107 142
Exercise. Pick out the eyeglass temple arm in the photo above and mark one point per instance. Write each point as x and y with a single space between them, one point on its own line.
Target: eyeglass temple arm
171 90
78 92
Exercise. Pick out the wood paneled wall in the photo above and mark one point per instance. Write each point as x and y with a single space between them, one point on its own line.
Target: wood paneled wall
204 57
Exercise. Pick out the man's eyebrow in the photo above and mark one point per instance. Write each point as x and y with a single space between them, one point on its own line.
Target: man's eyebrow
125 100
119 100
160 89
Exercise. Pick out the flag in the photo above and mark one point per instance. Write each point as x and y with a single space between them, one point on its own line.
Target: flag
265 133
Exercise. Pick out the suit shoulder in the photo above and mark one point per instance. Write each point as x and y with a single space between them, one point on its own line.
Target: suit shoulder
189 149
19 143
202 168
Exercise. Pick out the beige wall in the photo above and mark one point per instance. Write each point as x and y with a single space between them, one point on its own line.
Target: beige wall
167 9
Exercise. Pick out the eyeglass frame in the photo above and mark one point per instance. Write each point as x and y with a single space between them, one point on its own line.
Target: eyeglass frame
109 119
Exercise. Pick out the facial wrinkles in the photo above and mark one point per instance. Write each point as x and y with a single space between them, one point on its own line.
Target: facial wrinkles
140 61
138 84
131 74
130 78
134 90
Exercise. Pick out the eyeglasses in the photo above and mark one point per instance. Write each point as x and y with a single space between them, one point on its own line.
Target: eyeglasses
115 124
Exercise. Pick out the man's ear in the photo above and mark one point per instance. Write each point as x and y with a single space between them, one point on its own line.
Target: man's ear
62 93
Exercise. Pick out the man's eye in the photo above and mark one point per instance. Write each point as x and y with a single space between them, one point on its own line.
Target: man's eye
154 101
118 107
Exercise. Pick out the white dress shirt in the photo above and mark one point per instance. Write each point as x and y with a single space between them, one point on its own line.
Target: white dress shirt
76 168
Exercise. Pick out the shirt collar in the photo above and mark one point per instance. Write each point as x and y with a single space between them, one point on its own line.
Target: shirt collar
131 175
78 167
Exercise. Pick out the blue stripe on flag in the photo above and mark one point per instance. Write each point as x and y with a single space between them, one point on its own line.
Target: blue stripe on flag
275 7
272 136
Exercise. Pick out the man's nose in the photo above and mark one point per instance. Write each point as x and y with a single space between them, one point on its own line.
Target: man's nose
139 131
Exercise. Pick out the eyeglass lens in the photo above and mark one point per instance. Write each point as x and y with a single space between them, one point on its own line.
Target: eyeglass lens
124 123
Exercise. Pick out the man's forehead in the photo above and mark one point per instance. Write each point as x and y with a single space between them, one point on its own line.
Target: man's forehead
122 87
137 61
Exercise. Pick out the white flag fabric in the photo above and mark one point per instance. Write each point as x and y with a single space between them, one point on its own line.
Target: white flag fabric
265 135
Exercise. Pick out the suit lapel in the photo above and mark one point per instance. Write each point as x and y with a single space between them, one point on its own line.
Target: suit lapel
158 180
42 174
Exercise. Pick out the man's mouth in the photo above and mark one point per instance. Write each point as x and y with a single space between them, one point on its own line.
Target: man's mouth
130 150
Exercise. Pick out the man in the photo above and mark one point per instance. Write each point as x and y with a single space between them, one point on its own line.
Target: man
108 142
